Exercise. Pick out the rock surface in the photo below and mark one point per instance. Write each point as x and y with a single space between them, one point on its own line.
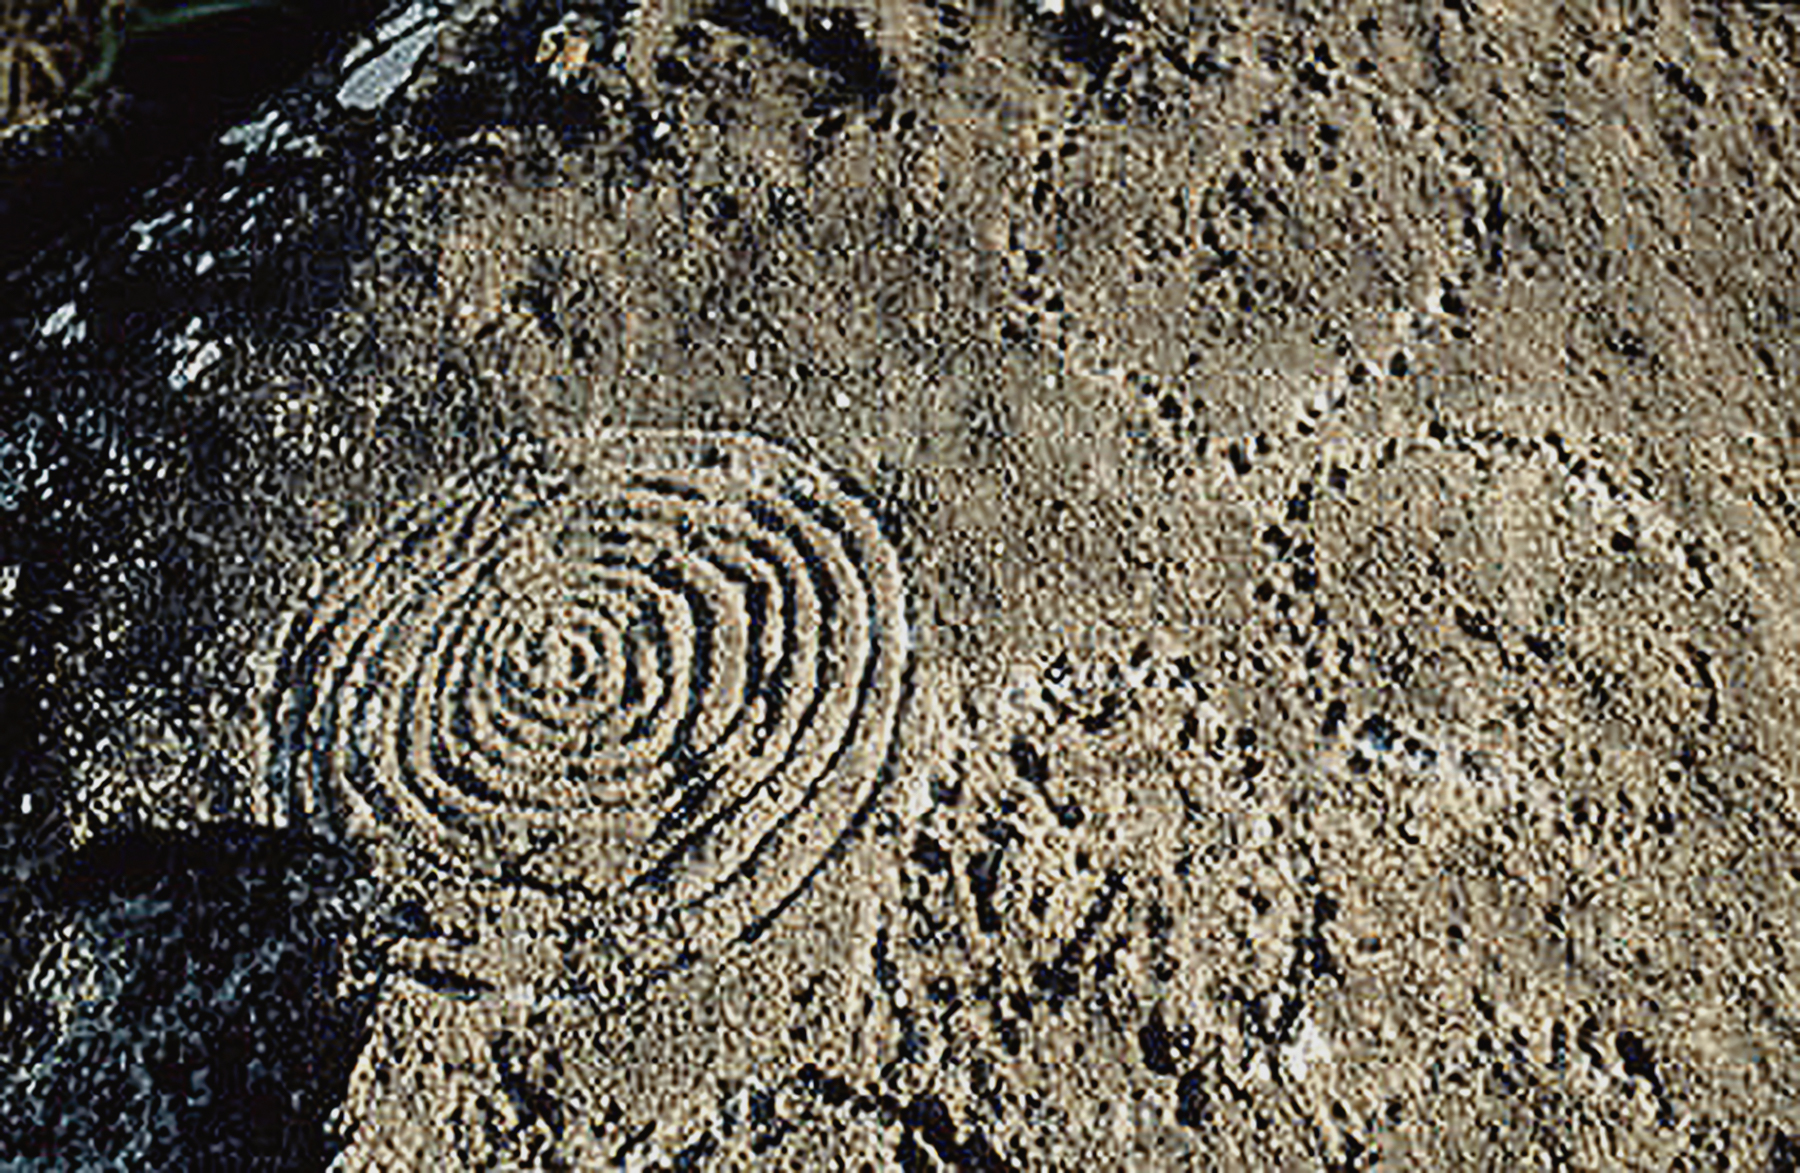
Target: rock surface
1337 459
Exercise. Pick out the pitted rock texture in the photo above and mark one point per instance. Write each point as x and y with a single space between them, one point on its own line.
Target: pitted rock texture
1340 460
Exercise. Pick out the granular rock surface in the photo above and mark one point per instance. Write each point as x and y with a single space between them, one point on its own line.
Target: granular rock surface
916 586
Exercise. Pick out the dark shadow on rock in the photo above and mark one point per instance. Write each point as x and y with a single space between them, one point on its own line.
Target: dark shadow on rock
168 1001
1088 35
122 492
830 40
184 1010
31 825
169 91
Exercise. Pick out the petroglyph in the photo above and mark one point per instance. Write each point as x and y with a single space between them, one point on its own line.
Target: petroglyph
651 674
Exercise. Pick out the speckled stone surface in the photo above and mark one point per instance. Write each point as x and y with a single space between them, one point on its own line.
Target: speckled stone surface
1336 465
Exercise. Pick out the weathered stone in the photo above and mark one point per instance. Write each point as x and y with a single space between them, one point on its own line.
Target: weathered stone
1338 464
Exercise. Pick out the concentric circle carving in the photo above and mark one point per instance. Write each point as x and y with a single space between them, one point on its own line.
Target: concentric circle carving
655 672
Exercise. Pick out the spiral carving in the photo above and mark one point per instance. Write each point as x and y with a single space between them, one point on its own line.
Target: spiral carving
654 672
